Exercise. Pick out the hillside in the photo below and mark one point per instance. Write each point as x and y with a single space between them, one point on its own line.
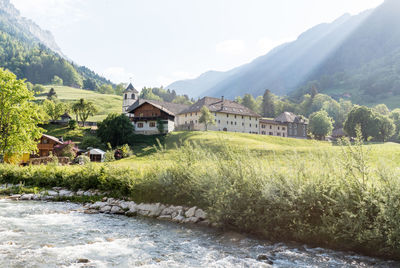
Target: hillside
105 103
355 57
32 53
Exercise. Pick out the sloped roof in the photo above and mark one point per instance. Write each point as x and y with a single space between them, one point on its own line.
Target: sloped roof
52 138
168 107
221 106
66 115
269 121
288 117
97 152
130 88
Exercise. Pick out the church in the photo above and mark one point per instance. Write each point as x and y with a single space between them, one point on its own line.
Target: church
150 117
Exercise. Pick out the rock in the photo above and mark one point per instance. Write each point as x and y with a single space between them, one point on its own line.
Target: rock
65 193
191 220
132 205
97 205
80 193
116 210
105 209
57 188
52 193
88 193
264 258
124 205
90 211
200 214
178 211
178 218
82 261
165 217
104 199
204 223
168 211
190 213
151 210
27 197
15 196
131 212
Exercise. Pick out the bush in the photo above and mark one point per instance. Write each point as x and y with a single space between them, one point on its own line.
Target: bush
91 141
72 124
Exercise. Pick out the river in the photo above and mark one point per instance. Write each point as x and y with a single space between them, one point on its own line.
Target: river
40 234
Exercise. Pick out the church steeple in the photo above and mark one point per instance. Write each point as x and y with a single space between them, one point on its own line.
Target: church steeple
131 95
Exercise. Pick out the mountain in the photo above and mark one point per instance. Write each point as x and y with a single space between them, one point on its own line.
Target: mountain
32 53
353 56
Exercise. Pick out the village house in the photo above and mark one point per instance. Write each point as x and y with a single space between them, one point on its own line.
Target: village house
272 128
46 145
229 116
296 125
146 115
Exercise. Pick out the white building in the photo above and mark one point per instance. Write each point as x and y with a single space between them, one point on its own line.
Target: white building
229 116
131 95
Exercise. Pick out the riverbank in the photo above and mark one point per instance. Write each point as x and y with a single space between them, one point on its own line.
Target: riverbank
91 204
343 199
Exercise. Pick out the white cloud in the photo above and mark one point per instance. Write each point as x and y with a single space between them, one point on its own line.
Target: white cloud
231 47
54 13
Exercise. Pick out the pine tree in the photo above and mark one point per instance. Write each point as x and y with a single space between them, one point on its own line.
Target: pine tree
268 104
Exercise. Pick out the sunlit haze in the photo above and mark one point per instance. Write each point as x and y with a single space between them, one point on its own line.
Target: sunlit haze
156 42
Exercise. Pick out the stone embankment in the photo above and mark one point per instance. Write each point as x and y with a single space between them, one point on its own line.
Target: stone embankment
177 214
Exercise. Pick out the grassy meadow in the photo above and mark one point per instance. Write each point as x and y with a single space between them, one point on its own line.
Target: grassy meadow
343 197
105 103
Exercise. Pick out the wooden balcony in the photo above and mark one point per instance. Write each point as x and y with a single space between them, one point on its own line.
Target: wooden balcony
45 146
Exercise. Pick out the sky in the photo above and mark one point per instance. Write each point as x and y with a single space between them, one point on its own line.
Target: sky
156 42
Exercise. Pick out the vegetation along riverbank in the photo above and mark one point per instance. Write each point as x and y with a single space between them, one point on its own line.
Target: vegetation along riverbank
344 197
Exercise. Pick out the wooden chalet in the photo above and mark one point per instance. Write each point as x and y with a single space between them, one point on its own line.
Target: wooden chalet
46 145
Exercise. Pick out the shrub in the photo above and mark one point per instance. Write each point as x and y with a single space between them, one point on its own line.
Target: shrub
72 124
91 141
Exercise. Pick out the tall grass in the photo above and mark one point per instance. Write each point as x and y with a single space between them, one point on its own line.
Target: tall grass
339 201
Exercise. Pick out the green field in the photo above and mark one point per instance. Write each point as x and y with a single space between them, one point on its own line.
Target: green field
105 103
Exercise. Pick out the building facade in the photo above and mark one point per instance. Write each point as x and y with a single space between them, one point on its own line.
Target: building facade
229 116
130 96
272 128
146 115
296 125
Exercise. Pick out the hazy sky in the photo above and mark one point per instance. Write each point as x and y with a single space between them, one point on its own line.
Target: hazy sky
159 41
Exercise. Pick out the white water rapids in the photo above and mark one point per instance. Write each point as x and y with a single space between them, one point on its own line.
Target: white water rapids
40 234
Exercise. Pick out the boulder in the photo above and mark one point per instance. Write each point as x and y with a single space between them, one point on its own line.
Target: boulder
65 193
15 196
191 220
151 210
80 193
116 210
88 193
97 205
27 197
124 205
191 212
57 188
178 218
131 212
165 217
200 214
105 209
52 193
265 258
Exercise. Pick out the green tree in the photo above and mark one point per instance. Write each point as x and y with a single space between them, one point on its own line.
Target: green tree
365 117
84 109
268 104
206 118
19 116
395 116
382 109
249 102
52 94
160 126
115 129
54 109
39 89
57 81
386 127
106 89
321 124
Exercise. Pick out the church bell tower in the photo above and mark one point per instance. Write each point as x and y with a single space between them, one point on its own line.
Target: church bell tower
131 95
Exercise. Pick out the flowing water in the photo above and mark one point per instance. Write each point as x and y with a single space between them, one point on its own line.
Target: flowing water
39 234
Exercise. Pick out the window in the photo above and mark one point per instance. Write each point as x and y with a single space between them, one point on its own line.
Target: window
242 124
126 96
215 114
250 125
219 121
242 117
278 134
133 96
139 125
185 115
45 141
235 116
231 122
270 126
196 121
141 115
283 128
235 123
263 132
262 126
191 114
227 115
283 135
271 134
185 122
152 124
227 122
278 128
196 114
256 126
